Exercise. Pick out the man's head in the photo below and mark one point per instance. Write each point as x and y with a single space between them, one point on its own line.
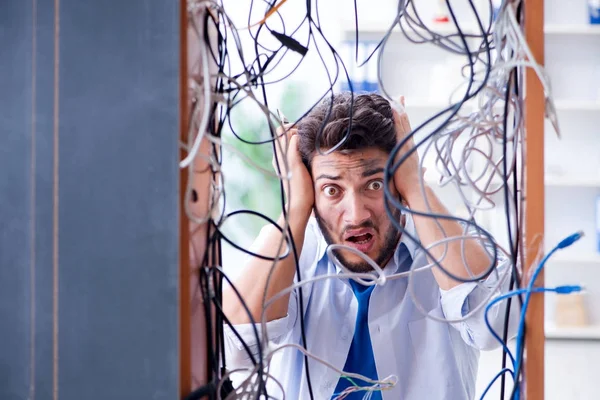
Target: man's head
348 183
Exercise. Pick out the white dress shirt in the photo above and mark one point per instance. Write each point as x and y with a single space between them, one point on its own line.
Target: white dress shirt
432 360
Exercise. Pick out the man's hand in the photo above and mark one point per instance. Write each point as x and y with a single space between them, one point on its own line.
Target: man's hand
406 178
463 258
301 197
252 284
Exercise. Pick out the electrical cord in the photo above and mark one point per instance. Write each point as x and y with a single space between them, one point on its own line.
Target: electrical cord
239 73
520 340
564 289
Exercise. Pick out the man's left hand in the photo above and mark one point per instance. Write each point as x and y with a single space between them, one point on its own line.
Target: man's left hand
407 177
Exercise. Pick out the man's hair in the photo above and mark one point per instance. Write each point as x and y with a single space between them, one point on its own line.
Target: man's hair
328 122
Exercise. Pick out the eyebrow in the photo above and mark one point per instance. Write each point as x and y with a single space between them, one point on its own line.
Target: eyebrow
365 174
331 177
371 172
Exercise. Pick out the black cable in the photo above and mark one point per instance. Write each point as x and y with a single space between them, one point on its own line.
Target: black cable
214 249
519 243
205 391
203 285
235 331
263 63
249 252
208 319
515 279
203 280
219 299
295 252
390 167
516 387
250 317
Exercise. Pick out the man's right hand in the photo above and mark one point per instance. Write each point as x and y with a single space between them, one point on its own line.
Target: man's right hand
301 197
252 284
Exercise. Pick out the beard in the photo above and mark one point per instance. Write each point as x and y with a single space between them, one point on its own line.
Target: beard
391 237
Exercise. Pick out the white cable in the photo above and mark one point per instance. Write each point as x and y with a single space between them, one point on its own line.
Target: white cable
390 380
483 123
207 102
380 280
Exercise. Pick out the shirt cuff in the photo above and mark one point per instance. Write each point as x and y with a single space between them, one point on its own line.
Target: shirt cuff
464 298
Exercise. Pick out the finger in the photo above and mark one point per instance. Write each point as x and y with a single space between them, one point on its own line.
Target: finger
282 139
404 116
294 151
281 130
405 123
282 146
401 123
286 131
400 115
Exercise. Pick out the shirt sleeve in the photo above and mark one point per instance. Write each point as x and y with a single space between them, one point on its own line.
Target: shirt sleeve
282 330
462 299
278 330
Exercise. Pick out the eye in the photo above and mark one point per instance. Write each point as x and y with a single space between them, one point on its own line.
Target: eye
375 185
330 191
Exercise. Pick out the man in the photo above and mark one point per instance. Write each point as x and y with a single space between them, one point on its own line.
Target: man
376 331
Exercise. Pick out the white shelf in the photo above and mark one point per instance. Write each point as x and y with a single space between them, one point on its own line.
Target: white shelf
437 105
449 28
376 28
576 105
571 181
571 257
572 29
566 182
591 332
561 105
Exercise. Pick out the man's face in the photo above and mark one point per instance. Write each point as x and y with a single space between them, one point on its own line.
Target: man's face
349 206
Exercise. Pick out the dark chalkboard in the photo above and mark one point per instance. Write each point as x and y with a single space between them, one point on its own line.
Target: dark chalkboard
89 246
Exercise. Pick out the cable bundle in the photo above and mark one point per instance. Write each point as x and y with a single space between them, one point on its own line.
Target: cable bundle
478 153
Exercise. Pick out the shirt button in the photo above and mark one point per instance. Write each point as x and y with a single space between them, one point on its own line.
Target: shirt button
378 328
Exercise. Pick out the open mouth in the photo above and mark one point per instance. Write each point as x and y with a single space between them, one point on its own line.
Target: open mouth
360 239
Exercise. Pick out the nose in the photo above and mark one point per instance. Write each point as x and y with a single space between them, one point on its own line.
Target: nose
356 211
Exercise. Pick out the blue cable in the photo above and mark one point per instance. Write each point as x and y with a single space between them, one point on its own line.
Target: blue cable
499 299
565 289
568 241
498 375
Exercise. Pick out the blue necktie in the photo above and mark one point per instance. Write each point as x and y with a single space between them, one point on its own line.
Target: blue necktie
360 357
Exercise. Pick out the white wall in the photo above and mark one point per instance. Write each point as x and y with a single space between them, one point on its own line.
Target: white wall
571 370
